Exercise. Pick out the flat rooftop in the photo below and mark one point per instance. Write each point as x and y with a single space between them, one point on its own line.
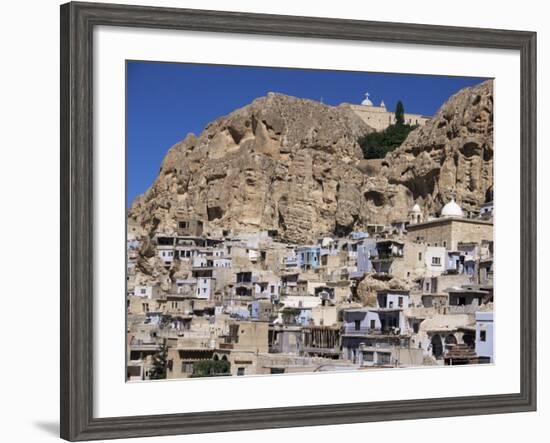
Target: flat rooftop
447 220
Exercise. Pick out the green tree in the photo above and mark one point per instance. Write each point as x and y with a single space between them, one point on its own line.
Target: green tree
211 368
378 144
160 363
399 114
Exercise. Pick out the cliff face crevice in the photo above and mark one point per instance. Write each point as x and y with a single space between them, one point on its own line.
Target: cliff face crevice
295 165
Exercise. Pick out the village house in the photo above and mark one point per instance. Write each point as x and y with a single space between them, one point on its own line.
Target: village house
388 356
389 257
309 257
384 323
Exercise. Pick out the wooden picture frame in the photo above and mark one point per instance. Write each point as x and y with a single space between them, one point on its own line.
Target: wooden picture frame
77 22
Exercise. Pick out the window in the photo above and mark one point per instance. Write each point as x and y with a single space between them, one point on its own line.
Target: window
142 291
373 324
436 261
400 302
357 325
240 371
482 335
445 244
187 367
368 356
420 256
272 288
384 358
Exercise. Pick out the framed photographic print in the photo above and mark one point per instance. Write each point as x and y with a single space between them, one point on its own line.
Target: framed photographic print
272 221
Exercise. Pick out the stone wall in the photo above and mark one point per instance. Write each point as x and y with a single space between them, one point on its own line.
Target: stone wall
380 118
449 232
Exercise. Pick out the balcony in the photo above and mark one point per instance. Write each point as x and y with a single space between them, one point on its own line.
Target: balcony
318 350
139 345
291 262
245 281
351 330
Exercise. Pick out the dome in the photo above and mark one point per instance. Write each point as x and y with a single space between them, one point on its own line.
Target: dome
367 101
451 209
416 209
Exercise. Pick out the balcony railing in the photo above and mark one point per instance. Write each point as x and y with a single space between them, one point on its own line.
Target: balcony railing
140 345
351 330
246 281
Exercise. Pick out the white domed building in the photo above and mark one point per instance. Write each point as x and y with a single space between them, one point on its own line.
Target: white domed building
452 209
367 101
379 117
449 229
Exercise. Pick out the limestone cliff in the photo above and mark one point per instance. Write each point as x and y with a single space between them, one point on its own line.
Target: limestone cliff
451 154
295 165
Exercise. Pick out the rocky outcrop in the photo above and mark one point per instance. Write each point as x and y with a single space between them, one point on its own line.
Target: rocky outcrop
295 166
367 288
451 155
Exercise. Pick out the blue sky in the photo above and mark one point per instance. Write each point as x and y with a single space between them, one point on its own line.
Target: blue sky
166 101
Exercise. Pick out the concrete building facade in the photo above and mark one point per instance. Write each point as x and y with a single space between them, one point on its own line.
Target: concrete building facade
449 232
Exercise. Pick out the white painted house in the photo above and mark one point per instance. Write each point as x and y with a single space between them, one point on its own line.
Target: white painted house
205 287
166 253
147 291
484 336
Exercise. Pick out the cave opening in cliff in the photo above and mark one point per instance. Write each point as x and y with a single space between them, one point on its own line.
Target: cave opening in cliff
375 197
214 213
